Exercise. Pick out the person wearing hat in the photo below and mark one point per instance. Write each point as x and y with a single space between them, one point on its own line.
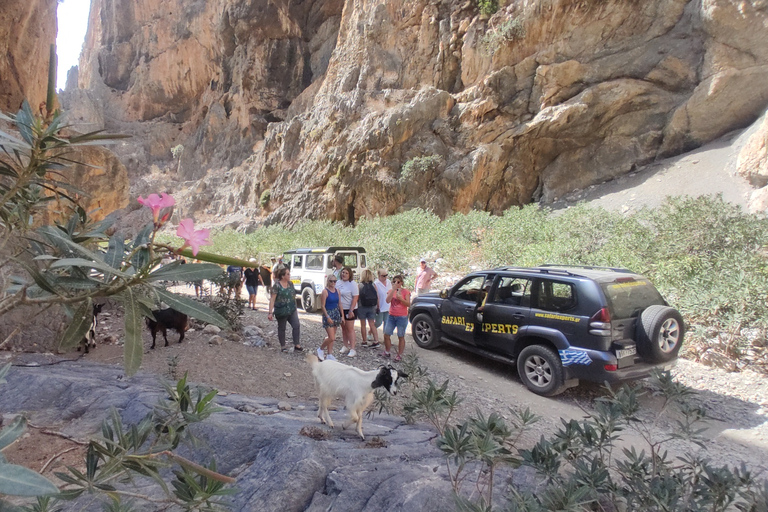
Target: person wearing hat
252 282
424 277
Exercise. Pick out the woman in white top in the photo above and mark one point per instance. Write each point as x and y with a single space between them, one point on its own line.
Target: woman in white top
383 285
348 295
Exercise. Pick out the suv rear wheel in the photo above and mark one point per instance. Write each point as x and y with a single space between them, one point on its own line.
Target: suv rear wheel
424 332
308 299
541 370
660 333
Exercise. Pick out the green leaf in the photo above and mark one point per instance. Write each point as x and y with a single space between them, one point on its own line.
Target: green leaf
192 308
12 432
189 272
81 322
115 252
57 235
134 347
20 481
82 262
25 119
39 278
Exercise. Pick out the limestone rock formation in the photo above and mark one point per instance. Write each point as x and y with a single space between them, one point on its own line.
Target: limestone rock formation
27 29
278 464
326 104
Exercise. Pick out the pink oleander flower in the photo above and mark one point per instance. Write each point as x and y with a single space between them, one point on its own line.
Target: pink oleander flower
192 238
157 203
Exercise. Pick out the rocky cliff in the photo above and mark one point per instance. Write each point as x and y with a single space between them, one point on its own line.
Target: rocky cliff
27 29
290 110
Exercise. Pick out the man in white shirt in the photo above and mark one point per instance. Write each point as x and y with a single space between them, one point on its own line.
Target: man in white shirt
383 285
424 278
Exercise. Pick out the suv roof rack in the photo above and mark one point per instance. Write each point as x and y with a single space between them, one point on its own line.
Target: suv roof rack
590 267
539 270
333 249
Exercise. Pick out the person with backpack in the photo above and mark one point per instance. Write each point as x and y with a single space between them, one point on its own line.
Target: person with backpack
367 306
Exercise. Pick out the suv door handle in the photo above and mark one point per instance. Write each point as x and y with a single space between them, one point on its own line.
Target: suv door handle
518 316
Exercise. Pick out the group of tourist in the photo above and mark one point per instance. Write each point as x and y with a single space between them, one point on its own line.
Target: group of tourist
374 301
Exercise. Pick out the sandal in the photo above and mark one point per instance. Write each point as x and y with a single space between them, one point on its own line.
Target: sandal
298 348
284 349
398 358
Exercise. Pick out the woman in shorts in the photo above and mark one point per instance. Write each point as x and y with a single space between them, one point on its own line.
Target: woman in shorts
349 293
333 316
399 299
367 307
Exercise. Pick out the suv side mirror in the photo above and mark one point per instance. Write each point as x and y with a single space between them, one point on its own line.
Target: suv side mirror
444 293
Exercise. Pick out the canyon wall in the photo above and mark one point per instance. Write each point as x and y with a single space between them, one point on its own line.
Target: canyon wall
27 29
279 111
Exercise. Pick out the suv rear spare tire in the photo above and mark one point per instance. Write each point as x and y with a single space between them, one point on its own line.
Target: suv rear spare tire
424 332
541 370
660 332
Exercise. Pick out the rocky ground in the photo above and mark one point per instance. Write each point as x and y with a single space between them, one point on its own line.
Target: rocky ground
736 403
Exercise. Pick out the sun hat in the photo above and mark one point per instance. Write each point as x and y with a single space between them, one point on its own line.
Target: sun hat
422 260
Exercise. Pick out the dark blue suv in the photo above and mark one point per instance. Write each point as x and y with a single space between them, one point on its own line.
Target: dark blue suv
558 324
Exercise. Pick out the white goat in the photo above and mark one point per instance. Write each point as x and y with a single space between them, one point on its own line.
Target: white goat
356 386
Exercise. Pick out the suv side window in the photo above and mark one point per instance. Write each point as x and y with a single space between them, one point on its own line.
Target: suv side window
470 289
555 296
296 261
513 291
314 261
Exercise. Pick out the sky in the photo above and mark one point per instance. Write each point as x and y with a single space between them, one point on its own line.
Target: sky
73 22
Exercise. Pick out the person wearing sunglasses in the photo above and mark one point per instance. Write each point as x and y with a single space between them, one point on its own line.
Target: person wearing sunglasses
333 317
349 295
383 285
399 299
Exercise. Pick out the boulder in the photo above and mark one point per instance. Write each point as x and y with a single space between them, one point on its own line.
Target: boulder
278 462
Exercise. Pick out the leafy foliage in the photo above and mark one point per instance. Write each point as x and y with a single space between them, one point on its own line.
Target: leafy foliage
75 261
488 7
416 168
265 197
509 30
706 256
580 466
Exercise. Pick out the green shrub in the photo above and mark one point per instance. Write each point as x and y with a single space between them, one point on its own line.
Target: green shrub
265 197
488 7
417 167
706 256
508 31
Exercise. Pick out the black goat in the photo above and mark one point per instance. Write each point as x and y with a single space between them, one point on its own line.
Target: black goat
90 336
167 319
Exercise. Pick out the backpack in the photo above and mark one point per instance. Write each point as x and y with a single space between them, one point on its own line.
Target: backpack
368 296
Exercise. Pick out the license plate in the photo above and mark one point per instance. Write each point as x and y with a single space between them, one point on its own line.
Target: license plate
626 352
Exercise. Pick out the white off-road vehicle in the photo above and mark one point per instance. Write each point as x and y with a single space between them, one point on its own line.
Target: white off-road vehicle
309 268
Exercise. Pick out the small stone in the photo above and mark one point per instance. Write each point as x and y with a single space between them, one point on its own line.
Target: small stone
215 340
284 406
287 374
290 394
211 329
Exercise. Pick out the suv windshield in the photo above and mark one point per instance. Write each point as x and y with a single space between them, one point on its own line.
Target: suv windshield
626 299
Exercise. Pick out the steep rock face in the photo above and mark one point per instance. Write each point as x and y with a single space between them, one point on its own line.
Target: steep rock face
384 106
27 29
209 75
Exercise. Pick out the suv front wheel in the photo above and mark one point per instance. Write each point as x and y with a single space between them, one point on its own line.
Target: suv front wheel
660 333
308 300
424 332
541 370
